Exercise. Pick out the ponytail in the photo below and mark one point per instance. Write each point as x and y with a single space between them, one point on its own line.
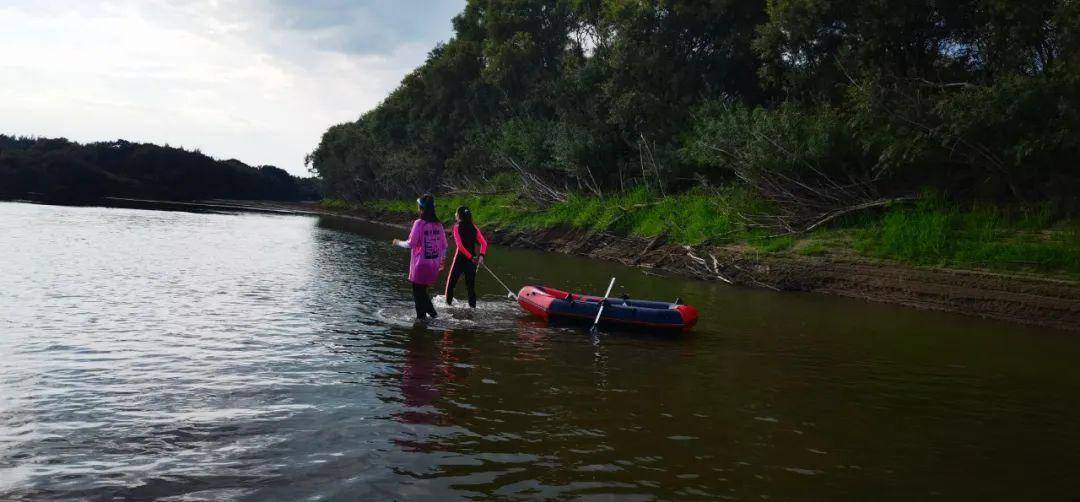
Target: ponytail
464 216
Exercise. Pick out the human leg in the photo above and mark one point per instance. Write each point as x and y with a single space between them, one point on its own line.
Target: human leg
470 282
420 299
452 278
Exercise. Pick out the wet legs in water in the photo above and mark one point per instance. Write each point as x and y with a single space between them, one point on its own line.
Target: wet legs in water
423 301
461 266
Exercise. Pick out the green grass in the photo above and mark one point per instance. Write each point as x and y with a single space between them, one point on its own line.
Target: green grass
812 248
335 205
937 233
689 218
774 244
932 233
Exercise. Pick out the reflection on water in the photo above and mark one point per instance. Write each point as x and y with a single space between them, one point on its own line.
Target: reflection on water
216 356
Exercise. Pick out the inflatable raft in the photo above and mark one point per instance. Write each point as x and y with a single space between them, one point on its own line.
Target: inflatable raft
553 305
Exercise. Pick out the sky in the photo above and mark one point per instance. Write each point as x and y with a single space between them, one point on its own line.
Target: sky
254 80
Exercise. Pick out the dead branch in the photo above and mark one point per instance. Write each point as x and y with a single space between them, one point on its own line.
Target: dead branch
653 244
645 151
714 270
592 185
857 207
535 188
806 198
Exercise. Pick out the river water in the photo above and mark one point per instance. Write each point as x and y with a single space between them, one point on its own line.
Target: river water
190 356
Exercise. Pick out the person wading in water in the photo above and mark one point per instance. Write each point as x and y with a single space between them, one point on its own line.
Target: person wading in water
427 243
466 259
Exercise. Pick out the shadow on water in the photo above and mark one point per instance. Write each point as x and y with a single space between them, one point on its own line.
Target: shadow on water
152 355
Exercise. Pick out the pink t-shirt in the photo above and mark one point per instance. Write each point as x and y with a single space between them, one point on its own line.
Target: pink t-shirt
427 242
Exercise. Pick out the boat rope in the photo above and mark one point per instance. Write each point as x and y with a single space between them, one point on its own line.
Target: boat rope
508 291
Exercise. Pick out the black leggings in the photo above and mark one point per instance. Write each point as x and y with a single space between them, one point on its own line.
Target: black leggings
461 266
422 300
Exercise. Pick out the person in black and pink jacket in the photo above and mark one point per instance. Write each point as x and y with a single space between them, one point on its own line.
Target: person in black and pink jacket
466 259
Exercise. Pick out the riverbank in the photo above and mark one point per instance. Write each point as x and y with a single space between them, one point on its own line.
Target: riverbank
830 262
1050 300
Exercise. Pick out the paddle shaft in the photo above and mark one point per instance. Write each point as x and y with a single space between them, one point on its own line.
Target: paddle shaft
601 311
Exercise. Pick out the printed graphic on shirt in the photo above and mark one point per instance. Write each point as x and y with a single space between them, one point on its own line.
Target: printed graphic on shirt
431 242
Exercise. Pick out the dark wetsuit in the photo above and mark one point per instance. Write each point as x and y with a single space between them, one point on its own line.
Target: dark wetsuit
467 239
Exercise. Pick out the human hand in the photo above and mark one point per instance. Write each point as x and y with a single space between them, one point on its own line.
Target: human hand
397 241
478 260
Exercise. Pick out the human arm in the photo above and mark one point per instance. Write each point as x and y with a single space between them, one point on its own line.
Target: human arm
414 239
460 247
483 246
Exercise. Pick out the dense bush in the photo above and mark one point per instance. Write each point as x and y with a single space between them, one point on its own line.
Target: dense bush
976 98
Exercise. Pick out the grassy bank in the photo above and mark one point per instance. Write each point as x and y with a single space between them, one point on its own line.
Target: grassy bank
931 232
937 233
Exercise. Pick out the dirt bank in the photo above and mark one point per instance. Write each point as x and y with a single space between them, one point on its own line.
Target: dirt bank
1024 299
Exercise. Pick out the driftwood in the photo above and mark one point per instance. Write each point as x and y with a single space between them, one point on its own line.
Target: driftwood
714 270
653 244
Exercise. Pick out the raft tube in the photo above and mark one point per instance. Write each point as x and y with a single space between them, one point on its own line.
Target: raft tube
554 305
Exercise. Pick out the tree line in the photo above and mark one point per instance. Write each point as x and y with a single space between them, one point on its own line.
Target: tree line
818 106
64 171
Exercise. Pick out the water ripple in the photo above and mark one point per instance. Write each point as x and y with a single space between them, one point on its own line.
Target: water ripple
189 356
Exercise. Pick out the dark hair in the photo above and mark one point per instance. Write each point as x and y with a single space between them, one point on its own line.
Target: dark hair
466 228
464 215
426 203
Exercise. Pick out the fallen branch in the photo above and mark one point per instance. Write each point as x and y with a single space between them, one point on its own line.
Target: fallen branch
654 243
714 271
535 188
857 207
716 268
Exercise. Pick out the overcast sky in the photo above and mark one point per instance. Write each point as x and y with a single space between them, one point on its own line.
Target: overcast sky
256 80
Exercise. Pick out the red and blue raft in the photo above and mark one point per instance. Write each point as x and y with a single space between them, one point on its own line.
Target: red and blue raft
554 305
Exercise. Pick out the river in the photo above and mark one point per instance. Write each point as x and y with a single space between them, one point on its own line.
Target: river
156 354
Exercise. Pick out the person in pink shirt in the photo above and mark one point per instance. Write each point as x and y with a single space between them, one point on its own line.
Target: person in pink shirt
471 249
427 243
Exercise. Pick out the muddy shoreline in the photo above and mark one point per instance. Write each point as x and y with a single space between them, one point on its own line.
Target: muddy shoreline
1039 301
1052 303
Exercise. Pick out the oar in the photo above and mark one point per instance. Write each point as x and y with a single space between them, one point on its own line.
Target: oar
509 294
601 311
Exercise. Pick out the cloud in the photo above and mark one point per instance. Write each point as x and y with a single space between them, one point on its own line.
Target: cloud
367 27
257 80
